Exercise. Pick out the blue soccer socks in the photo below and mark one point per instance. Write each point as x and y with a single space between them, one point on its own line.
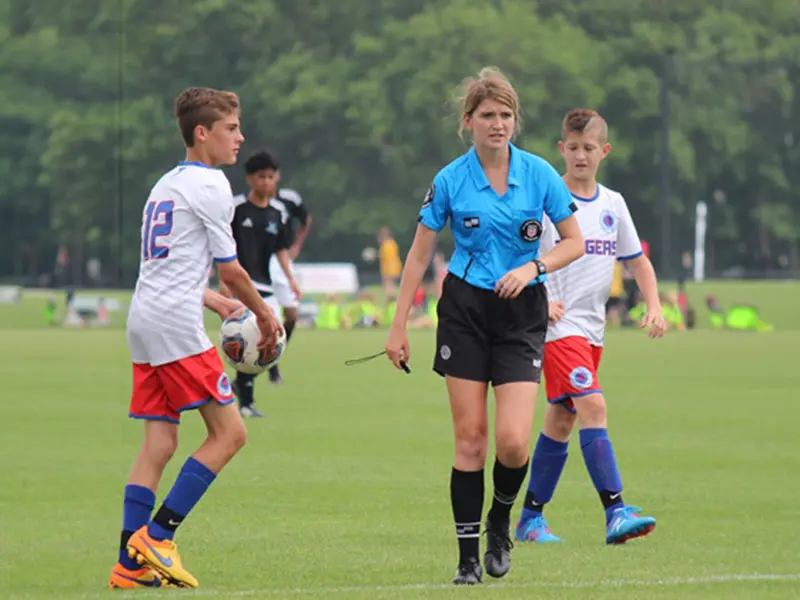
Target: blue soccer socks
598 454
137 506
192 482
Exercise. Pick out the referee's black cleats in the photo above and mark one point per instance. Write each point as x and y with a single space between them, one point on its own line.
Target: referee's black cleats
469 572
498 549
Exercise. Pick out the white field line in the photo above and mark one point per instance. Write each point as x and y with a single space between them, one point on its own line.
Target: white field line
613 583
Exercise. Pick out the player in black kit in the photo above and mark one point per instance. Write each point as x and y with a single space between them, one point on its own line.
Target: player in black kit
258 228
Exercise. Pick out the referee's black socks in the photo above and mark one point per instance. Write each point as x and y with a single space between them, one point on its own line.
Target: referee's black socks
466 497
507 482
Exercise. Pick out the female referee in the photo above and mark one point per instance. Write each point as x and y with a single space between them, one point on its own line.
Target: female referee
493 312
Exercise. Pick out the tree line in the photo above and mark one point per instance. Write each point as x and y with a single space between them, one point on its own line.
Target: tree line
354 97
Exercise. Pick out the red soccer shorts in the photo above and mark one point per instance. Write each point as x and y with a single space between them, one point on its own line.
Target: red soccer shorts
570 370
163 392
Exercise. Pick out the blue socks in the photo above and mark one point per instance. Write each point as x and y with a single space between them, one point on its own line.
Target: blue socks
547 465
598 454
191 484
138 504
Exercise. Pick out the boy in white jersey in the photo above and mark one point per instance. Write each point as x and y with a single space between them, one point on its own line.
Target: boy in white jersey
185 225
578 294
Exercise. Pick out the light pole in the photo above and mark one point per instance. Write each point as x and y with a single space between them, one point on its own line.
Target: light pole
666 249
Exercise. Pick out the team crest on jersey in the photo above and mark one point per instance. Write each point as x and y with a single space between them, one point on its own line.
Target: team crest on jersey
429 196
272 228
608 221
224 386
581 378
531 230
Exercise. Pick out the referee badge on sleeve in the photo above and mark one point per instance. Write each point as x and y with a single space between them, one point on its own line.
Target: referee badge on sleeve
531 230
429 196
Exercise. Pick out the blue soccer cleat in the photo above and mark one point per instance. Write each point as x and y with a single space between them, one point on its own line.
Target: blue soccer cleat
535 530
626 523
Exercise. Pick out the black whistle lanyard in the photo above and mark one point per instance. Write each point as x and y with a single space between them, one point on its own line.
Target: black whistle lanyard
363 359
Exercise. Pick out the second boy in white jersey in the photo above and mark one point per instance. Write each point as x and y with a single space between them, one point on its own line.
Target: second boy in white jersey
578 295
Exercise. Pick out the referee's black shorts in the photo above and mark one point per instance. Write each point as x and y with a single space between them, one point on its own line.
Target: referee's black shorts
482 337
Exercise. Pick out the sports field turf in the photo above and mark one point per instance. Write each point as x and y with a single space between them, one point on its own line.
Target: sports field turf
343 491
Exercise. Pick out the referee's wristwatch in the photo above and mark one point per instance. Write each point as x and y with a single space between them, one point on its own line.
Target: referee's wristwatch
541 268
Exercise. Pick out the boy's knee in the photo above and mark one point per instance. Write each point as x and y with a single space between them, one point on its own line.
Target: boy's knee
558 422
291 316
238 437
592 411
161 448
231 439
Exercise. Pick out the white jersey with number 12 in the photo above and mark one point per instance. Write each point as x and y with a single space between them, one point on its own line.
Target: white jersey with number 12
186 224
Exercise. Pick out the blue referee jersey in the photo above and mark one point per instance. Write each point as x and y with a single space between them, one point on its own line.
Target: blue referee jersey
495 234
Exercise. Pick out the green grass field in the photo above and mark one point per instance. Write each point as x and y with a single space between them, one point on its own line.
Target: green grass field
343 491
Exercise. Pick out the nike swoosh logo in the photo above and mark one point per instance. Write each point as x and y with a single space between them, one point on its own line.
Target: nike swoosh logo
151 583
167 562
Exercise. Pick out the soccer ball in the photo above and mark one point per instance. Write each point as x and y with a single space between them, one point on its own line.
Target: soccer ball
238 338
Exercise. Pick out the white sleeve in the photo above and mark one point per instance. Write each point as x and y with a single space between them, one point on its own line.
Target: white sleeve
549 233
546 243
290 195
214 206
628 244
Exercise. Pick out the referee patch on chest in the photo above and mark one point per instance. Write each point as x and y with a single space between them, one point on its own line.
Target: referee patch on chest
531 230
471 222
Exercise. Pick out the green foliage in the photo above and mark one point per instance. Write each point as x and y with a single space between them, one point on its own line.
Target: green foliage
355 97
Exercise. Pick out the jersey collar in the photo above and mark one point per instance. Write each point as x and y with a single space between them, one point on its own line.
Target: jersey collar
592 199
195 163
479 177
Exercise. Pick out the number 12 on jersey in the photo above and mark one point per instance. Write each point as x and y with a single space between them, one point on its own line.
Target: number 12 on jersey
157 223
